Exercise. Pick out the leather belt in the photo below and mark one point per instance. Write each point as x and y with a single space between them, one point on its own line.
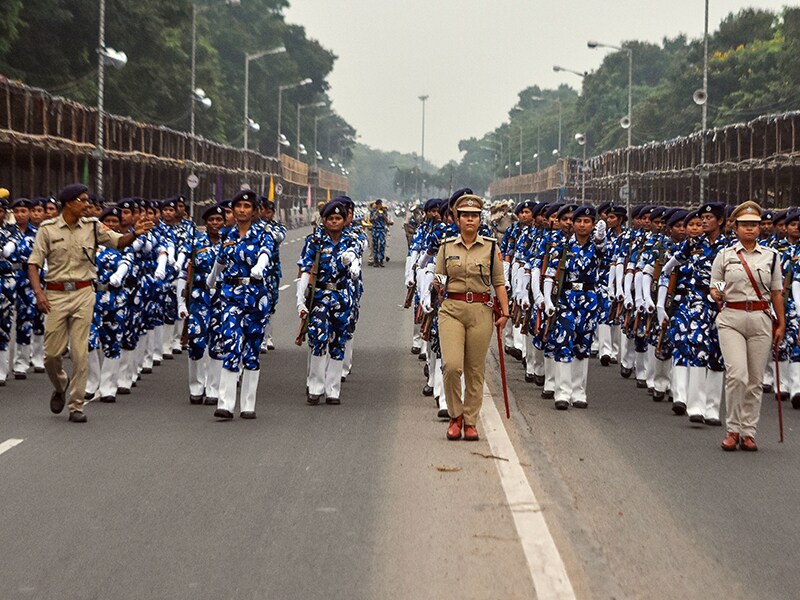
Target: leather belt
470 297
332 287
106 287
578 286
749 305
67 286
243 281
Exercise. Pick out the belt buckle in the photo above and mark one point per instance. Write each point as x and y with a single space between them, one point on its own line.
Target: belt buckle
578 287
470 297
748 305
245 280
69 286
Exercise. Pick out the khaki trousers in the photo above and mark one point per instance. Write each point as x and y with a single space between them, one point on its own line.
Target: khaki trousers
465 330
745 339
69 320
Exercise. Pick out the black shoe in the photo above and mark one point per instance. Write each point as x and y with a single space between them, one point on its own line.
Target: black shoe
651 391
210 401
177 351
146 370
38 369
641 384
123 391
20 375
507 349
796 401
169 356
426 371
625 372
108 399
196 399
344 378
580 404
313 399
263 351
333 400
593 353
2 383
221 413
516 353
156 363
562 405
548 394
88 396
529 378
422 356
538 380
679 408
77 416
614 361
415 350
713 422
427 391
247 414
443 414
766 388
658 396
784 396
696 419
133 384
58 400
605 360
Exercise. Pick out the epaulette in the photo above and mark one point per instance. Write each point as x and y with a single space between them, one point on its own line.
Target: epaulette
48 221
450 239
90 220
489 238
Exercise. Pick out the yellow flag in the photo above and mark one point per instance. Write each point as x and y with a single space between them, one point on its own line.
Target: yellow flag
271 196
329 195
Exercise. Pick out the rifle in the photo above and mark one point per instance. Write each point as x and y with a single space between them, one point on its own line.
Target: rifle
427 319
561 275
188 292
516 313
673 283
410 296
309 299
659 266
537 325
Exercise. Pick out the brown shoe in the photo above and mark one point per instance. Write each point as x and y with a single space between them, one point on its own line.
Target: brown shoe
730 442
454 430
470 433
749 443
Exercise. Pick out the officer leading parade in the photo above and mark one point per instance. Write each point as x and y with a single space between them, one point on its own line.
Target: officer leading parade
265 267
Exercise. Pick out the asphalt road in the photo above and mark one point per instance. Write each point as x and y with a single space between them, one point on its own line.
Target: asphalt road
154 498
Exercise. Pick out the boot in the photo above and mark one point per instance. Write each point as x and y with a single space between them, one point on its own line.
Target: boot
248 395
37 354
108 378
333 381
227 394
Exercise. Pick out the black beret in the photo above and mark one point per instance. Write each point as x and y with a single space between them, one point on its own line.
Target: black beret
529 204
538 208
334 207
39 202
767 215
346 201
729 211
566 209
245 196
215 209
226 204
657 213
169 203
616 209
551 209
127 203
792 215
714 208
179 199
457 194
585 211
444 207
604 206
677 216
71 192
778 217
22 203
51 200
111 211
691 215
432 204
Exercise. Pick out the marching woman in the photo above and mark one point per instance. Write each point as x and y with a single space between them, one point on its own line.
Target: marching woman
242 262
746 280
329 256
468 266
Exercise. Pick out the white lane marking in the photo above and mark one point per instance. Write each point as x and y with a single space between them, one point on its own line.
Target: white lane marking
547 569
9 444
283 287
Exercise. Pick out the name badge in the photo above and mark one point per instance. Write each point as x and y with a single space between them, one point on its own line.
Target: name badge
453 257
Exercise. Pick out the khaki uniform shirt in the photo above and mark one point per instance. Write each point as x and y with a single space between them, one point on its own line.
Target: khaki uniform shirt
468 269
764 263
70 252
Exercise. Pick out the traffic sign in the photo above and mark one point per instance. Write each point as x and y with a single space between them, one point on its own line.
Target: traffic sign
278 188
192 181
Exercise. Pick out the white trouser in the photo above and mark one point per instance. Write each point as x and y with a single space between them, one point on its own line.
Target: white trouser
564 380
424 348
147 350
3 364
508 335
519 340
348 357
126 369
549 374
166 340
213 374
794 374
580 375
662 371
267 341
109 374
157 343
227 389
679 384
595 343
650 366
438 384
22 358
37 352
416 340
197 376
431 368
176 334
604 345
696 404
316 374
249 389
639 364
333 378
535 364
715 385
93 379
627 352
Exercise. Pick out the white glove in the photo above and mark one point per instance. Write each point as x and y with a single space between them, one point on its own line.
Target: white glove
670 265
171 253
118 276
627 293
411 260
257 270
180 288
425 301
536 286
506 270
600 231
661 303
9 248
514 275
348 257
301 310
638 289
549 309
302 286
619 270
612 280
424 259
211 279
524 296
647 283
796 292
161 269
355 269
179 260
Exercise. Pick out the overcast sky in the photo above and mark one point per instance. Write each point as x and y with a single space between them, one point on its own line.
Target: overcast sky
472 57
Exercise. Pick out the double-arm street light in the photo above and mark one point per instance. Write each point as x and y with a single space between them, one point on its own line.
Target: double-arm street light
281 88
299 108
247 59
626 123
423 98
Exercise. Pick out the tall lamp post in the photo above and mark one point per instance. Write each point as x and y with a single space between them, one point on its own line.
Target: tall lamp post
423 98
281 88
247 59
701 97
299 108
627 122
581 139
105 56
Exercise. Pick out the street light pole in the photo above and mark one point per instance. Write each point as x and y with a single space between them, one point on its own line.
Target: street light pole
280 108
422 160
705 111
100 94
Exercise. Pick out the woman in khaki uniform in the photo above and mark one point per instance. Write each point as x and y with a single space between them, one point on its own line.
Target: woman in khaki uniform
746 278
467 268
